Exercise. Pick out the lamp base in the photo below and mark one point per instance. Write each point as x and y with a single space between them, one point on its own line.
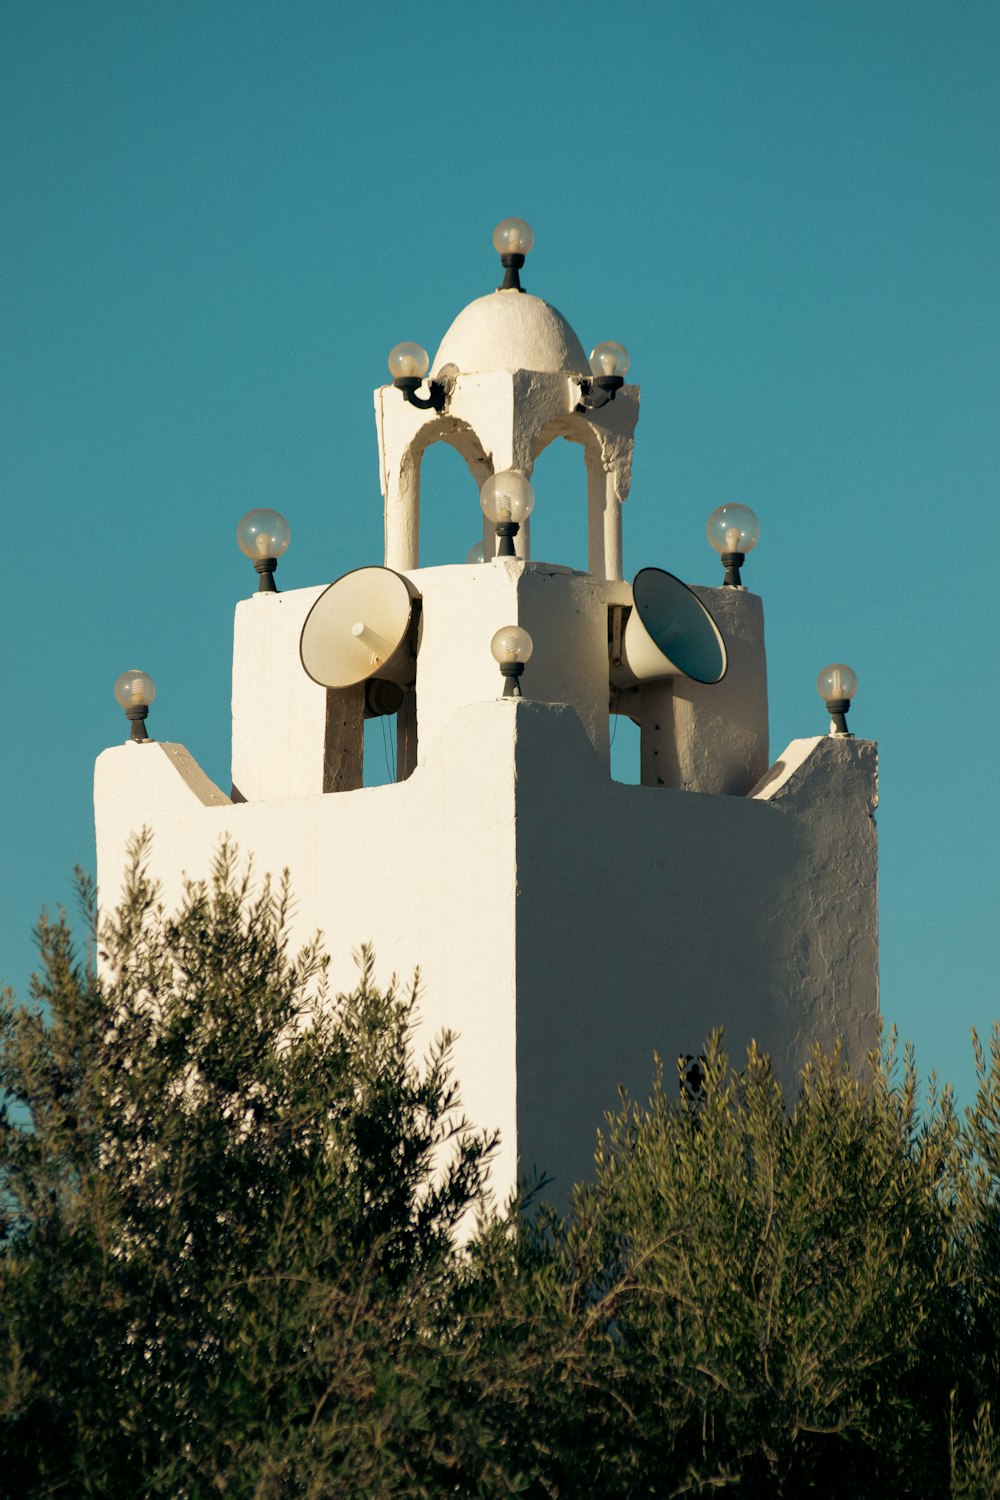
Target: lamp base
137 715
597 390
512 670
409 385
506 532
512 264
837 709
732 562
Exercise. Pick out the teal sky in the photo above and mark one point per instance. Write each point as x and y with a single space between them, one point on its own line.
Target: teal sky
220 217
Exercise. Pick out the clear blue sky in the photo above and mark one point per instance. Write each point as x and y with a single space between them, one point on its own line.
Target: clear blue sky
219 218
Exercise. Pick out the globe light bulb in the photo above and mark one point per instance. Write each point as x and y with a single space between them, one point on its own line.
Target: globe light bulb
609 358
733 528
135 691
836 685
263 533
263 536
512 647
511 644
733 531
608 364
513 237
837 681
507 496
408 362
476 553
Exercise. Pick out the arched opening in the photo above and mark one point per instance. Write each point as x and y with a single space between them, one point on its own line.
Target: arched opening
559 520
451 521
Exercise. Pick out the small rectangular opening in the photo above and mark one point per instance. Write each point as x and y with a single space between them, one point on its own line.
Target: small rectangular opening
380 750
366 748
625 758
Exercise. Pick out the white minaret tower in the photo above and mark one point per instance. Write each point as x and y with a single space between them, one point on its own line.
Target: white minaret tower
565 925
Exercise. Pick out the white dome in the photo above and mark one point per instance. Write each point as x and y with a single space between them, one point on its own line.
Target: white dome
511 331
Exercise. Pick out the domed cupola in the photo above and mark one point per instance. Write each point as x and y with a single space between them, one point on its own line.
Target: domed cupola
510 377
511 330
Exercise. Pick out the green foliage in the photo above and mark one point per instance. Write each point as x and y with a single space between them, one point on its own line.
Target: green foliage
229 1199
229 1261
772 1299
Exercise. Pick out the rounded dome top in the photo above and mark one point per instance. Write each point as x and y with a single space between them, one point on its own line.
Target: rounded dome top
511 331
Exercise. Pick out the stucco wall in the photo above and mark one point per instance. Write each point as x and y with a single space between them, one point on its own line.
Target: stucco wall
424 870
565 926
649 916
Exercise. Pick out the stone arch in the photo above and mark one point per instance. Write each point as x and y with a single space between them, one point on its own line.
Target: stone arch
604 490
453 466
401 486
501 420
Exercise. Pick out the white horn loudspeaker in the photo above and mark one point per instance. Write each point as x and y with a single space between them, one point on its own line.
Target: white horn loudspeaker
668 633
363 628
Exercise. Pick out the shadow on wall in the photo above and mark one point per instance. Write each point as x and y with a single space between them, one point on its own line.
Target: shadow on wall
773 776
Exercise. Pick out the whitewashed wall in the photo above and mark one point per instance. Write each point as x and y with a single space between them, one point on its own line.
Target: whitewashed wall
565 925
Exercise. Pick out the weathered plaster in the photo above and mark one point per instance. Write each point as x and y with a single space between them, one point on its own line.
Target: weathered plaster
514 386
721 731
648 916
565 925
279 714
510 330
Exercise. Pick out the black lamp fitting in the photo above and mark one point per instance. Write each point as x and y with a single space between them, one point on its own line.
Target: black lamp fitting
512 261
732 562
513 670
137 714
409 385
838 708
265 566
692 1079
597 390
506 532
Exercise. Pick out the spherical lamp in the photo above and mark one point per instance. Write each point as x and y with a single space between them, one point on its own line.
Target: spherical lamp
135 691
263 535
408 364
512 239
733 531
507 499
609 364
837 685
512 647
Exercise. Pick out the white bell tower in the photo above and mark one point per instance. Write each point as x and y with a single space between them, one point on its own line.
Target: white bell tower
565 925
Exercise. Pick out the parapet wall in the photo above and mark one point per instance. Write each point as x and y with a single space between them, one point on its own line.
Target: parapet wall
565 926
718 735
